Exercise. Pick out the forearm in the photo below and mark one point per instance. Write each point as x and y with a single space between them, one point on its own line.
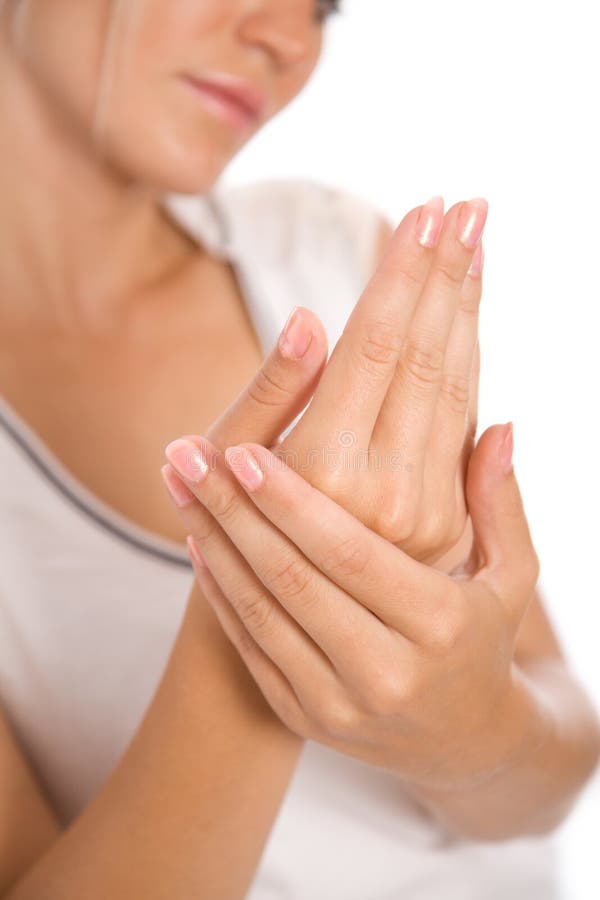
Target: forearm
536 791
28 824
188 809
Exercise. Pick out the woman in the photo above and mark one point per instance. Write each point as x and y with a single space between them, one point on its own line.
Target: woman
148 747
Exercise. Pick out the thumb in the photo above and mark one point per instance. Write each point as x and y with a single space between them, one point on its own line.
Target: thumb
280 389
500 526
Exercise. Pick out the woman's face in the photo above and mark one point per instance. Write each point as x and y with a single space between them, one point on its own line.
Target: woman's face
115 73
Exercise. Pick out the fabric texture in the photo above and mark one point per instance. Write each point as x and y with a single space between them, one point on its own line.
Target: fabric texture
90 603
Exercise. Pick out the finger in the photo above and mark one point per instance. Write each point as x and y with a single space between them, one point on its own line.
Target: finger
282 386
474 391
451 413
445 453
407 415
274 686
404 594
332 623
274 631
499 521
363 361
472 416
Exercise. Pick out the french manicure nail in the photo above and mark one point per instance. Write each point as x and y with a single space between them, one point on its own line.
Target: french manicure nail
180 493
471 221
187 459
244 466
506 448
430 221
295 337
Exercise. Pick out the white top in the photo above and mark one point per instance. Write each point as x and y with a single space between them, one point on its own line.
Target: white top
90 603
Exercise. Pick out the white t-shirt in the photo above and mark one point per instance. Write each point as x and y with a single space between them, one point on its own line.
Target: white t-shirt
90 603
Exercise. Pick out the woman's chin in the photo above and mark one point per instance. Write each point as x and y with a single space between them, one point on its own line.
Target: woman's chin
176 169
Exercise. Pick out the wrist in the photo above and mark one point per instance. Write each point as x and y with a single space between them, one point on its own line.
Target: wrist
491 801
518 727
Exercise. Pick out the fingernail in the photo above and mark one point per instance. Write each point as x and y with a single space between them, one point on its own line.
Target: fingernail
471 221
296 336
429 223
195 554
245 467
506 448
187 459
476 267
180 494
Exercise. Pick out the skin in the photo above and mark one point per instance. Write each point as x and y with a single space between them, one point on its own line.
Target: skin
101 259
400 381
94 230
237 781
96 249
431 691
495 737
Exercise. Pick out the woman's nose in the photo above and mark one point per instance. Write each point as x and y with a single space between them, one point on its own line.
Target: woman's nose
288 31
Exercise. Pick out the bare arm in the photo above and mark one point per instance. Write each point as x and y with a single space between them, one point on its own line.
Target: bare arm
549 778
28 825
187 810
539 790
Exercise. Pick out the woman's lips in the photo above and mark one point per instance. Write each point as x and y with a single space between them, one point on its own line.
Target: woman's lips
223 104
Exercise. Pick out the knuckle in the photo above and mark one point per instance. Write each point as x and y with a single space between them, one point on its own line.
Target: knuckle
349 557
224 506
449 627
450 273
424 361
340 719
204 529
455 390
470 300
389 693
291 577
435 532
244 642
268 388
328 479
257 614
380 342
396 520
405 277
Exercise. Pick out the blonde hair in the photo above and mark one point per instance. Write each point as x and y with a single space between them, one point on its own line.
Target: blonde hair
120 33
121 30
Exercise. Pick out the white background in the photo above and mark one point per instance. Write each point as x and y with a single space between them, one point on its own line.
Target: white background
497 99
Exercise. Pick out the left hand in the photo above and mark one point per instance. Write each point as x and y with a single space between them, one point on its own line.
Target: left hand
352 642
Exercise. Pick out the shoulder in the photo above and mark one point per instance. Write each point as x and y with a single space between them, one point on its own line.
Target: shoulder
300 242
306 217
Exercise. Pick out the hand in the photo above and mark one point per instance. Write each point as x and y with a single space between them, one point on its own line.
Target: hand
390 429
353 643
